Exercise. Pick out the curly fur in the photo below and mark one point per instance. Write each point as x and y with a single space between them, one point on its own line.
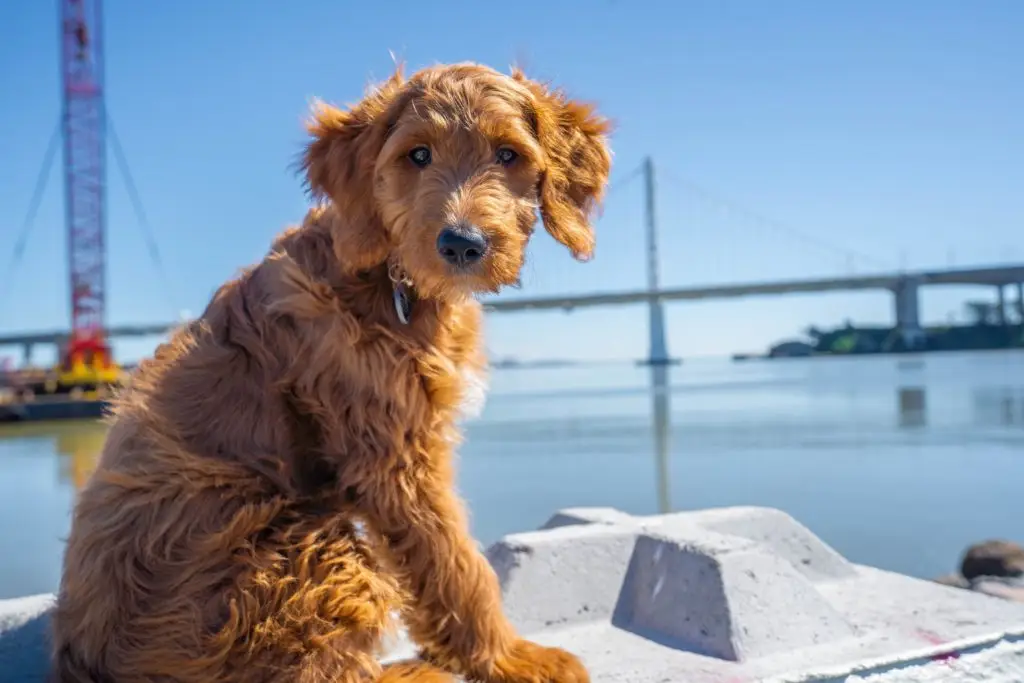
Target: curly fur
219 538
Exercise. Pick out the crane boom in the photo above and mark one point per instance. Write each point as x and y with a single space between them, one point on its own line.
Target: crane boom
86 361
83 121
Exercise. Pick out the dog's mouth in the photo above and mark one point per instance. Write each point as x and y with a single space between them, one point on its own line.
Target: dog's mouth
467 263
452 282
468 282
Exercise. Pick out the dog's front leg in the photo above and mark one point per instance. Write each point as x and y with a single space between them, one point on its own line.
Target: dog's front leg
456 616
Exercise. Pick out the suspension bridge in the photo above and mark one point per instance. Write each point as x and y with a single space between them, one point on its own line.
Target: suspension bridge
903 286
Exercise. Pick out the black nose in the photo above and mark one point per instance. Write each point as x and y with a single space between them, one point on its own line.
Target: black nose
461 246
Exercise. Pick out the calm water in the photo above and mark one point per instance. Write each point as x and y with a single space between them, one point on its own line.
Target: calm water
823 439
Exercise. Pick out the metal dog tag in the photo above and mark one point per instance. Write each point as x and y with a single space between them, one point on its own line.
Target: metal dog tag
403 303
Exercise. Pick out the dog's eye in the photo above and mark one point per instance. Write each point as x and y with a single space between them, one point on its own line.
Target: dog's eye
506 155
420 156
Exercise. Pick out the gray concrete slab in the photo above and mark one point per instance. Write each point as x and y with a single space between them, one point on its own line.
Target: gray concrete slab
24 648
736 595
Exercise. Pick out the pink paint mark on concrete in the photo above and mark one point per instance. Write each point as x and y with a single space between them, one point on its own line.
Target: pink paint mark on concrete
936 639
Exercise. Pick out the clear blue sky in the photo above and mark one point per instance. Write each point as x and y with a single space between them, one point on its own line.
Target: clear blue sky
892 129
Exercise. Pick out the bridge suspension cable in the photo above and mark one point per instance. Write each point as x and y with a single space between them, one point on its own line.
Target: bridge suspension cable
140 213
618 183
30 215
772 224
39 190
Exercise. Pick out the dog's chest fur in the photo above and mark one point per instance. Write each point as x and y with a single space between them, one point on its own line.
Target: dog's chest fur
425 371
474 393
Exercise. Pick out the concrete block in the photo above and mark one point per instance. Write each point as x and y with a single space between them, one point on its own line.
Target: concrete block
781 535
580 568
735 595
24 639
722 600
573 516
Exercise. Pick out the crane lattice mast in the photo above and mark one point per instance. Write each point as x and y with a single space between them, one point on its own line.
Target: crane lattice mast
83 127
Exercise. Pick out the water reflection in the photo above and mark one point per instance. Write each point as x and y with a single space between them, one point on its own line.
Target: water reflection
77 444
911 393
662 429
913 406
993 406
999 406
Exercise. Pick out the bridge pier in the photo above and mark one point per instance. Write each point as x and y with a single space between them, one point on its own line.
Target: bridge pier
908 318
26 354
1020 302
1001 305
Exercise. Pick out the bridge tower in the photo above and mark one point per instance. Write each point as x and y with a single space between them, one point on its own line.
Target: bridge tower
658 345
906 297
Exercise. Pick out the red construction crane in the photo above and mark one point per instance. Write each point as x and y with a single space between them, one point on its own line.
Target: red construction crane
83 126
84 157
85 365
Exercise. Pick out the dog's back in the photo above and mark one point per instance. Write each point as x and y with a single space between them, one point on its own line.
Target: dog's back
192 549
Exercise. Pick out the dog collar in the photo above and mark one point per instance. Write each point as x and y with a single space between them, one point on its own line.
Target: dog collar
402 293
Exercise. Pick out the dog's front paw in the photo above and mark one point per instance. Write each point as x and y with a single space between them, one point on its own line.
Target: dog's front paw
529 662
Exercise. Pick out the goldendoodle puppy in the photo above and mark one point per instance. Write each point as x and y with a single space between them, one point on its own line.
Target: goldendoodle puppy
277 481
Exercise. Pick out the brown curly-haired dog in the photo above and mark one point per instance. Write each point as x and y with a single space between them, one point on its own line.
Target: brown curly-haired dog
277 482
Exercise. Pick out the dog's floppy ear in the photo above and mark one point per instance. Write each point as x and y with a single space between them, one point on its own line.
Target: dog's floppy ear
574 140
339 163
344 145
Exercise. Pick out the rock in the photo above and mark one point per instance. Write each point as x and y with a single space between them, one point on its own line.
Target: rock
993 558
994 567
954 580
1005 588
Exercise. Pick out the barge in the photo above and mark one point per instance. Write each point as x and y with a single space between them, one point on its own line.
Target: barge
77 387
53 409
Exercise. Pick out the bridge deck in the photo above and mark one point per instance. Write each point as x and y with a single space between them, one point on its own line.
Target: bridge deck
984 276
